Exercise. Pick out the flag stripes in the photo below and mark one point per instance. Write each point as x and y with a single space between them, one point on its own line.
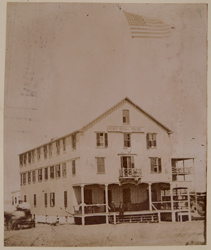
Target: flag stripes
143 27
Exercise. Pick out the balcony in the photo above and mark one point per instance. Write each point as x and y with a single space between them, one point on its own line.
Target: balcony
182 170
128 175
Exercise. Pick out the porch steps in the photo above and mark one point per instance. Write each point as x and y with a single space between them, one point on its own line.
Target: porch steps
136 218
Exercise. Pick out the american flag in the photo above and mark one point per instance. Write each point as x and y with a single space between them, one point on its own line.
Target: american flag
143 27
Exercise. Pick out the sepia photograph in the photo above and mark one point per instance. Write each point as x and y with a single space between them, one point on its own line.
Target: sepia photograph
105 124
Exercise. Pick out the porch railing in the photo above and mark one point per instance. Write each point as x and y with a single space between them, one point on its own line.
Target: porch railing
130 172
181 170
166 205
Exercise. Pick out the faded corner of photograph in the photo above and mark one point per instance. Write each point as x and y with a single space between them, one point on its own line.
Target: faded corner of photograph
105 126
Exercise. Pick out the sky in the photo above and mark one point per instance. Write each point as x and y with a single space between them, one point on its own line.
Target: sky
68 63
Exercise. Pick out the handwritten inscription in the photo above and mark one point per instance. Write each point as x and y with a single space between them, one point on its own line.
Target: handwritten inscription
132 129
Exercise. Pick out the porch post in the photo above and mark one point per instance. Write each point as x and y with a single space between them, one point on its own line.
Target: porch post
189 212
172 203
150 197
106 200
82 203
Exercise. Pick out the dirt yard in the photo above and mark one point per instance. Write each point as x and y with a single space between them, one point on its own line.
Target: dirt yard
131 234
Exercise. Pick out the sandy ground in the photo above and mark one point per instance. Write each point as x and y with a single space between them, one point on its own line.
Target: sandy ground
128 234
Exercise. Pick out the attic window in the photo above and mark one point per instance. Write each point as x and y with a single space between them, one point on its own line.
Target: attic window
126 118
151 140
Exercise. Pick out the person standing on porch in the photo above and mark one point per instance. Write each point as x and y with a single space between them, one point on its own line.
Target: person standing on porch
121 211
112 207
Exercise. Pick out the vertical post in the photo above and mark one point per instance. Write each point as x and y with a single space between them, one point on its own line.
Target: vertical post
106 200
172 203
150 197
189 212
82 203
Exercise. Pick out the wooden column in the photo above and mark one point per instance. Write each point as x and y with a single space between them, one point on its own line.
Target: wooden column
106 200
189 209
150 197
172 204
82 205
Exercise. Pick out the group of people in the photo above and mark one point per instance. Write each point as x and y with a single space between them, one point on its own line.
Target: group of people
121 209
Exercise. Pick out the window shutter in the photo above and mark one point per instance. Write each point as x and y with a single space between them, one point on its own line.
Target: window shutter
159 165
132 162
125 140
148 142
152 164
106 140
122 162
98 139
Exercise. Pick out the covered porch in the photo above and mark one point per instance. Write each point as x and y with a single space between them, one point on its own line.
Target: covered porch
143 202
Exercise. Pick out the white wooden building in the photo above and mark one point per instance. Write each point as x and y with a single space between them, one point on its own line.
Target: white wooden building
123 155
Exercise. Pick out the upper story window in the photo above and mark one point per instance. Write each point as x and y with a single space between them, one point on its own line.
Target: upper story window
65 199
45 151
52 172
126 116
46 173
58 171
29 177
155 164
102 139
29 157
151 140
64 169
24 178
73 168
24 158
40 174
50 148
38 153
127 162
58 147
46 199
74 141
34 176
64 144
33 155
100 165
127 140
21 160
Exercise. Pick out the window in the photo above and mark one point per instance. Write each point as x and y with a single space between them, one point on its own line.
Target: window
32 155
64 144
21 160
58 172
100 165
102 139
155 165
127 142
52 172
46 199
52 199
24 178
45 151
126 118
74 141
24 158
40 174
29 157
46 173
24 198
21 179
127 161
50 149
38 153
73 168
64 169
65 199
34 176
35 200
29 177
151 140
58 147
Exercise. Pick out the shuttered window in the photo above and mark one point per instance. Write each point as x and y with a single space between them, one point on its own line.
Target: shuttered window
151 140
52 199
102 139
155 164
100 165
126 118
127 140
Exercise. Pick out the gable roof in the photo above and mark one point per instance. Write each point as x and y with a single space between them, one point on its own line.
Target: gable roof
115 107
